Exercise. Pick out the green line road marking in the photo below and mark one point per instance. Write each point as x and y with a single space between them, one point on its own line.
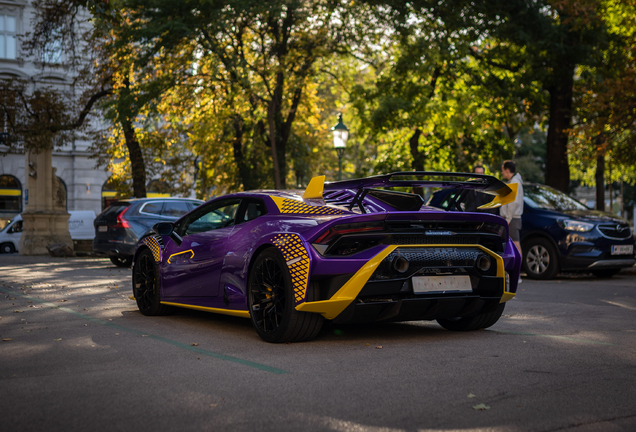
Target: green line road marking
159 338
554 337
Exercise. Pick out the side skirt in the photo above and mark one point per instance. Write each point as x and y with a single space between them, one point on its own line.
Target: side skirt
238 313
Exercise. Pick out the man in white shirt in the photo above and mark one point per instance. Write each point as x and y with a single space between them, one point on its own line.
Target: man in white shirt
512 212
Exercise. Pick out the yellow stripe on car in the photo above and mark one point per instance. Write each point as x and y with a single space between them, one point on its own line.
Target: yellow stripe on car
181 253
238 313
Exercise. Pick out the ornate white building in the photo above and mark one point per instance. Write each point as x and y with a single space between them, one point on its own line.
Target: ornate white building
84 183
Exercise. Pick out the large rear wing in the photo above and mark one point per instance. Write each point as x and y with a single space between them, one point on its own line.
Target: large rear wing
503 193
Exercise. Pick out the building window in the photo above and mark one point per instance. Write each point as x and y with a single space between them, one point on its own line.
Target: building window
52 53
8 44
10 194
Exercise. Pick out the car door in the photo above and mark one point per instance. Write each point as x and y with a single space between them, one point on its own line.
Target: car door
193 268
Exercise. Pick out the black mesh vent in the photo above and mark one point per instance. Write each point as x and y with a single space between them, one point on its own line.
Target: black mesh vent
433 258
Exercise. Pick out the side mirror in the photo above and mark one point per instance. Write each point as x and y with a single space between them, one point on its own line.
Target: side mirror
163 228
167 229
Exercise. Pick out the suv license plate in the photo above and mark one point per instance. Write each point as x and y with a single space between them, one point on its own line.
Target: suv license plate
622 249
102 228
425 284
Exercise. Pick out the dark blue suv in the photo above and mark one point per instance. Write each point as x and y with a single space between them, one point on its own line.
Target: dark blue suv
561 234
119 228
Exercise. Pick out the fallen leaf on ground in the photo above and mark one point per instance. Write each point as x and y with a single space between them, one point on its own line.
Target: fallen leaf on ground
195 344
378 347
470 395
17 311
7 339
481 407
57 340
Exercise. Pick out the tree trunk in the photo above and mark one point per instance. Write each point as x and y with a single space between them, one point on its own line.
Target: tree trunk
418 157
557 168
600 182
271 117
245 173
137 165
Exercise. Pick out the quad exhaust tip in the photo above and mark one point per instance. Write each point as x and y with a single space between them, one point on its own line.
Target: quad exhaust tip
483 263
400 264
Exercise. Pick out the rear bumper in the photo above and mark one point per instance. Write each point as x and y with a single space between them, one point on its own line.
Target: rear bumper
415 309
365 297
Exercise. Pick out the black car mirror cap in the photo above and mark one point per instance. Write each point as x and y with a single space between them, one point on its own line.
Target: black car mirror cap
167 229
163 228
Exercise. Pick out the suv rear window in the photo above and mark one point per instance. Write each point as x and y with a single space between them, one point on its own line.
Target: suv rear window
175 208
153 208
114 209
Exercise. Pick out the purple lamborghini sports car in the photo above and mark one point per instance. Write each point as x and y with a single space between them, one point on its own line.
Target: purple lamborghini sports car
347 251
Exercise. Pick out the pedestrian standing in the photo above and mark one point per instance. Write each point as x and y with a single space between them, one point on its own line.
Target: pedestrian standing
512 212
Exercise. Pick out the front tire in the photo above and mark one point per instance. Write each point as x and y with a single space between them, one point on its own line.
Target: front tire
7 248
481 321
146 286
540 260
271 302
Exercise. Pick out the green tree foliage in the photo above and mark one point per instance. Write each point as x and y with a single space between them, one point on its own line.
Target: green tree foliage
262 53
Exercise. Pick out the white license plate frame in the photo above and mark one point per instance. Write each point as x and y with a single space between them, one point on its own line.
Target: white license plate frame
622 249
102 228
449 283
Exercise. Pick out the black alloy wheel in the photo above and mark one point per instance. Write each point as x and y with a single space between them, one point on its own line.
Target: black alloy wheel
146 285
271 302
121 261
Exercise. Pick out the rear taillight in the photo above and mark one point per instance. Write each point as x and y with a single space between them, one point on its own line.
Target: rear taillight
352 228
121 220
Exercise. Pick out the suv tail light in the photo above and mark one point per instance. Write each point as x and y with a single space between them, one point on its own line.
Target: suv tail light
121 220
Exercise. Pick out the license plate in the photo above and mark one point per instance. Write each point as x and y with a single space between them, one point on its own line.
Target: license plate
102 228
622 249
425 284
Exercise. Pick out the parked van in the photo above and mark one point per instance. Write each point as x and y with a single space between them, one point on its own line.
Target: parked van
80 225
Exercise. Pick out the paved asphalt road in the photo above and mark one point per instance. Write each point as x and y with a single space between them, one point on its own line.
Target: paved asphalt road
76 355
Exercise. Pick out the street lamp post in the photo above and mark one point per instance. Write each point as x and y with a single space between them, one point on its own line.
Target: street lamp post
340 136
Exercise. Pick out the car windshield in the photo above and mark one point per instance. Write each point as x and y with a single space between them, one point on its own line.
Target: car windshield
544 197
6 227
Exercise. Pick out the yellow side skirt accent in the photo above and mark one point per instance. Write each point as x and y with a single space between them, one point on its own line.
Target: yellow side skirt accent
242 314
335 305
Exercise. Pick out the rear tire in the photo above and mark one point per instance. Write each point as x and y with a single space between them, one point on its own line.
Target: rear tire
271 302
146 286
121 261
606 273
473 323
540 259
7 248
